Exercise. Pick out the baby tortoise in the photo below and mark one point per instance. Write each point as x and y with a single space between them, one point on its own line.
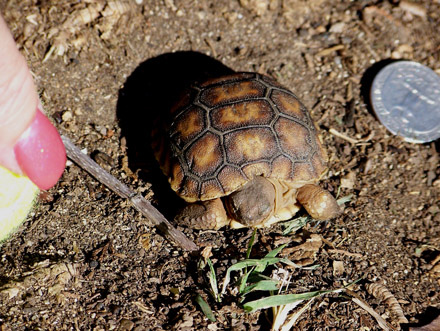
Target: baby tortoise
242 150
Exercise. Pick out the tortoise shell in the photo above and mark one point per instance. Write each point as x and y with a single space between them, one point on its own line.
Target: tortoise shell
225 131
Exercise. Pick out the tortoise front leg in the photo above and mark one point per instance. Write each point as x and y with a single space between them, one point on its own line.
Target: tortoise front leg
203 215
319 203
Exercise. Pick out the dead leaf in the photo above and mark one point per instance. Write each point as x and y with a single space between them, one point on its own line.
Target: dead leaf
53 277
188 322
145 241
257 7
304 254
338 268
206 252
348 180
413 8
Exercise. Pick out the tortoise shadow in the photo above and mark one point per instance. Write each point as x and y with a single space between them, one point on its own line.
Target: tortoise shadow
148 94
424 319
367 82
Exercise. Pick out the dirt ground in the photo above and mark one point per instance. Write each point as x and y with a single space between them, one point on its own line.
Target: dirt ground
86 260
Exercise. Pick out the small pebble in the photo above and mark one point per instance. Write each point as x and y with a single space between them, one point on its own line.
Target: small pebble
337 27
67 116
126 324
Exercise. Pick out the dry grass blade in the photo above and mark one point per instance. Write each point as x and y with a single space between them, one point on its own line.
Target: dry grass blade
205 308
294 317
382 323
213 281
358 142
330 50
283 299
295 224
343 136
291 301
282 314
143 308
413 8
138 201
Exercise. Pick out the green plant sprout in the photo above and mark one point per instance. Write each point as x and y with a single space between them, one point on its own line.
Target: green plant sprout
252 278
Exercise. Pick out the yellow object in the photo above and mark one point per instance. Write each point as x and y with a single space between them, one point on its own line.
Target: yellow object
17 195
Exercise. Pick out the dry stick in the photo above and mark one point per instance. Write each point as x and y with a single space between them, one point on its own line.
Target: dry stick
138 201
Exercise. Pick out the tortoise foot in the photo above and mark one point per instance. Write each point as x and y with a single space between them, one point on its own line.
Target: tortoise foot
319 203
203 215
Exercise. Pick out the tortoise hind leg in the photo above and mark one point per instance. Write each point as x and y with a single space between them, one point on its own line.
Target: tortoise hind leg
203 215
319 203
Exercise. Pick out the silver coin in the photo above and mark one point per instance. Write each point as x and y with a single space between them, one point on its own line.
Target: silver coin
405 96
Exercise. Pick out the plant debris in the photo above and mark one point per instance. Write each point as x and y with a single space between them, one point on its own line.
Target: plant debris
380 292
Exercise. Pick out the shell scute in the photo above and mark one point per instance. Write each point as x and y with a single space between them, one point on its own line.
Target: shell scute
187 126
295 139
250 145
231 92
234 128
289 105
204 157
256 112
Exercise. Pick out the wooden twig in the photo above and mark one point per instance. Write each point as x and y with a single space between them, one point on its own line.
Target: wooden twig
330 50
343 136
137 200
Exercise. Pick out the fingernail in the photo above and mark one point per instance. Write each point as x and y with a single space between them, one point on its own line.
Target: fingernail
40 152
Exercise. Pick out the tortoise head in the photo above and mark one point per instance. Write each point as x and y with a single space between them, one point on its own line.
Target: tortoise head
253 203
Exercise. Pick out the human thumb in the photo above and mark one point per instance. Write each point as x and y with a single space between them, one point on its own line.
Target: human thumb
29 143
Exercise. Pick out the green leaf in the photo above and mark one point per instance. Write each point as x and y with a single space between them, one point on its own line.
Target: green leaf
205 308
255 277
263 285
263 263
292 264
259 264
282 299
275 252
213 281
285 299
251 243
345 199
295 224
244 280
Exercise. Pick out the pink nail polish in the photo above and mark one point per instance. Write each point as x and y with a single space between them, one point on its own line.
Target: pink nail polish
40 152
